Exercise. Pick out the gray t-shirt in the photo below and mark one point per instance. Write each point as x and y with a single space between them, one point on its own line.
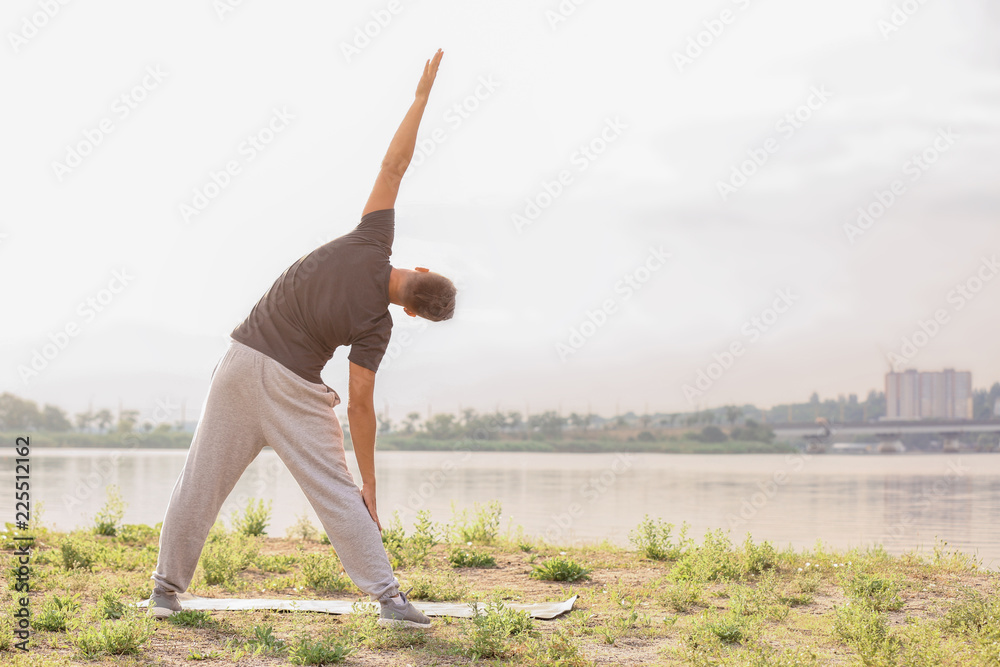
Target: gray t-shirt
336 295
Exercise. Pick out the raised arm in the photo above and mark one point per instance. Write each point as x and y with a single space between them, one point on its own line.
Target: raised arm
397 158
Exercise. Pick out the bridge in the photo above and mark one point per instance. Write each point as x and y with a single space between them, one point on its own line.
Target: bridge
888 433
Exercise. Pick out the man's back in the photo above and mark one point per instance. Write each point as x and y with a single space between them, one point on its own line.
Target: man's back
336 295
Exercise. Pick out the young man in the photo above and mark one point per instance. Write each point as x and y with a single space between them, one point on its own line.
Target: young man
267 390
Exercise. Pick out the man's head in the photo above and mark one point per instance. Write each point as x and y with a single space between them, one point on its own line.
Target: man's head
427 294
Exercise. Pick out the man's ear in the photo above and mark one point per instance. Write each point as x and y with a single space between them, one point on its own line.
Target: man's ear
409 312
423 270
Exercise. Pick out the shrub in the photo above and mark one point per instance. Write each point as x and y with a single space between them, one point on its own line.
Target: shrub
78 553
56 613
879 593
482 529
110 516
712 434
757 558
437 586
191 618
714 559
491 628
225 556
321 572
254 519
110 605
560 569
122 637
867 632
302 529
409 551
470 558
652 539
320 652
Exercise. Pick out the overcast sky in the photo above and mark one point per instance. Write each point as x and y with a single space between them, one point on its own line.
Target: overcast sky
625 196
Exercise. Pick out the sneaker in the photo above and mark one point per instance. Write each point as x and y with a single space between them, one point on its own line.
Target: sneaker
403 614
163 603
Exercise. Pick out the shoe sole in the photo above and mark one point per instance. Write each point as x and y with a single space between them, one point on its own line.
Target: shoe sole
398 622
162 612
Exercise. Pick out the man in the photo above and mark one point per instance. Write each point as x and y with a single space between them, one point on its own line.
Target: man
267 390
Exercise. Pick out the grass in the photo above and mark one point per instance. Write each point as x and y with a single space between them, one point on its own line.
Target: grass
669 599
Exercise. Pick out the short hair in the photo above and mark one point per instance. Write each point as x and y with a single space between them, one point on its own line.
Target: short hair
431 296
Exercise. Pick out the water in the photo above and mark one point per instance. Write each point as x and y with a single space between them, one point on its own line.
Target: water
903 502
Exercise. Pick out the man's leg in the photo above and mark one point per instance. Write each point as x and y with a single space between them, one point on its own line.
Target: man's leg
226 441
299 423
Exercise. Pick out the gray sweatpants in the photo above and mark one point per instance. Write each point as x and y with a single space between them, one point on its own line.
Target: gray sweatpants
254 401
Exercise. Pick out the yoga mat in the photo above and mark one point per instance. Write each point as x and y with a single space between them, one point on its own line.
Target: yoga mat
542 610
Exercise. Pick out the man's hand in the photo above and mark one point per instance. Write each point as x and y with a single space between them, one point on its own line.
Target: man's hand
430 73
368 495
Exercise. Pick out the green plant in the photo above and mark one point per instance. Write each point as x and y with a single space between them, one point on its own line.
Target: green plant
195 655
191 618
757 558
110 516
56 613
437 586
125 636
555 650
226 555
138 533
254 519
278 563
302 529
618 626
470 558
682 595
652 538
409 551
560 569
879 593
321 572
320 652
713 560
491 627
110 605
78 553
867 632
482 528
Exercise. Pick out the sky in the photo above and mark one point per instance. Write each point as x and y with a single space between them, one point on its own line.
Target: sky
645 206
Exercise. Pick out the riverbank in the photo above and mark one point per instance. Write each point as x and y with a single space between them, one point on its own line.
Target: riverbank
667 600
393 442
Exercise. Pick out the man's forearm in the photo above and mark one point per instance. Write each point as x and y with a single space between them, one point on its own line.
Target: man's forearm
404 141
362 420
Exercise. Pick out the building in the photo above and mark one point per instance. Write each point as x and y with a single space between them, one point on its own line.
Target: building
943 394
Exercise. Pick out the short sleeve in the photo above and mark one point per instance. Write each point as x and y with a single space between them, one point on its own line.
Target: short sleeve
367 351
378 227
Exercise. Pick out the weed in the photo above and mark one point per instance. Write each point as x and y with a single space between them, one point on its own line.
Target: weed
109 517
302 529
125 636
867 632
653 539
56 613
491 627
78 553
470 558
321 572
226 555
110 605
254 519
682 595
191 618
306 651
275 563
437 586
879 593
560 569
482 529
